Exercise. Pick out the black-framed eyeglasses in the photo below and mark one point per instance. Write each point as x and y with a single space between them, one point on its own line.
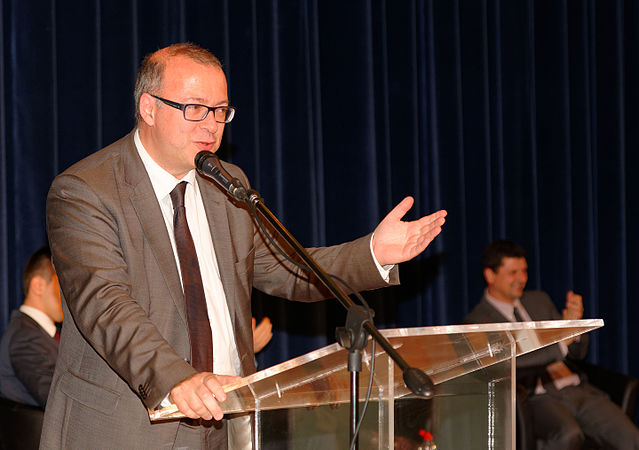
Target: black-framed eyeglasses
194 112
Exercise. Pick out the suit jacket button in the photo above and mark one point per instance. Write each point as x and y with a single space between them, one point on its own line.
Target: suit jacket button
142 392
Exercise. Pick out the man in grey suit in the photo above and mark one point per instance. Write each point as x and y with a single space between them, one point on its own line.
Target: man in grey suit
564 407
29 347
110 219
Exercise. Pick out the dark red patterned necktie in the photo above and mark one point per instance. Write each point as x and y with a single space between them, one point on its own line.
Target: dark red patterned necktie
197 317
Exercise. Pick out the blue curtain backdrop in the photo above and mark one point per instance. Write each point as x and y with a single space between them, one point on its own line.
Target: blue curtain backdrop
520 118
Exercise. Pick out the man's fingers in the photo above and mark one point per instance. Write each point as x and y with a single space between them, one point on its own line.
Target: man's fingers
191 405
401 209
574 302
434 219
424 240
212 393
185 409
432 230
429 230
226 379
209 407
572 297
264 327
199 395
215 384
266 323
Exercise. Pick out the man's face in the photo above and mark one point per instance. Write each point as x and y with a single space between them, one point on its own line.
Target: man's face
52 301
508 283
171 140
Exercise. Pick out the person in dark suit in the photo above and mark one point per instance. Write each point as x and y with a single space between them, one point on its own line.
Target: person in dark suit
29 348
115 222
564 407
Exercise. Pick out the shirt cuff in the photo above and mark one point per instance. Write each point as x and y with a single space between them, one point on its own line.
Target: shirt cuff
166 402
384 271
564 348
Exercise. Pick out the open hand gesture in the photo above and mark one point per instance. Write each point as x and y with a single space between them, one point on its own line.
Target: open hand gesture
396 241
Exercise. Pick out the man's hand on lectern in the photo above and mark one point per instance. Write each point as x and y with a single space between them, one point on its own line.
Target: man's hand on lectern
198 396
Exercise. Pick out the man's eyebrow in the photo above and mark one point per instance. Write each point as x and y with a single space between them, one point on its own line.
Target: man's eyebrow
202 101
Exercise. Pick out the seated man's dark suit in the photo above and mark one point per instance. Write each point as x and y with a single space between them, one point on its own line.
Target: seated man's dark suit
562 417
27 361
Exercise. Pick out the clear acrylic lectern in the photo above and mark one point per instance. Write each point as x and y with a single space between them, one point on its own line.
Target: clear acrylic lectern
303 403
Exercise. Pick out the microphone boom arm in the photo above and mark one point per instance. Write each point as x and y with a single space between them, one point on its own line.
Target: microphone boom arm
414 380
208 164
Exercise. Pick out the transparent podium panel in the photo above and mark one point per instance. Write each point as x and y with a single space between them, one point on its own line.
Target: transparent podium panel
306 399
476 410
472 411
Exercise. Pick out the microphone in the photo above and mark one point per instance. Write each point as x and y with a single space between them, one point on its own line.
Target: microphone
207 163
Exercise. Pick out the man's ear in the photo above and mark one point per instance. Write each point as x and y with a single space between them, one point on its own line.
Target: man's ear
37 285
489 275
148 108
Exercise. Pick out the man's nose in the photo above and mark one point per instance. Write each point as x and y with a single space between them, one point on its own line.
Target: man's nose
522 278
210 124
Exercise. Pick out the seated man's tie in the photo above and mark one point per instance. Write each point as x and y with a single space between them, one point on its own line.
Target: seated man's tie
518 317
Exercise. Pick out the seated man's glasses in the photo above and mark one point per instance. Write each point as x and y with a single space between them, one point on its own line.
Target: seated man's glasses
194 112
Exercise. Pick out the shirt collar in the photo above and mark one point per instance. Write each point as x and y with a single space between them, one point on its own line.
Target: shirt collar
505 309
41 318
163 182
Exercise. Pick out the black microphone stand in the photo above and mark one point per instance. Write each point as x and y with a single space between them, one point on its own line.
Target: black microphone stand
358 323
353 337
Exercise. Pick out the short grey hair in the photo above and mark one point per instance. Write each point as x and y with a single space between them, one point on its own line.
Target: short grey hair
152 68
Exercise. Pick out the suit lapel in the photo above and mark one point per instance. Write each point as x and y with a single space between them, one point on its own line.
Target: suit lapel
216 205
493 312
536 310
147 209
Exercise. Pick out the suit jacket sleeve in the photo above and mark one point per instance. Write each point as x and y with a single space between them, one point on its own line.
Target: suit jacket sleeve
88 256
579 348
352 261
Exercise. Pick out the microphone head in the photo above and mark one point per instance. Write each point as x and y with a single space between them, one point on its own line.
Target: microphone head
202 157
418 382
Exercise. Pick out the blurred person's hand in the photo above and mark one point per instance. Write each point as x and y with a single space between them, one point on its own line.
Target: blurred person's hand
262 333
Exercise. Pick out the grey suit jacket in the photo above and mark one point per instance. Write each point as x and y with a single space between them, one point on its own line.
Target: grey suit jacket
540 307
127 344
27 359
